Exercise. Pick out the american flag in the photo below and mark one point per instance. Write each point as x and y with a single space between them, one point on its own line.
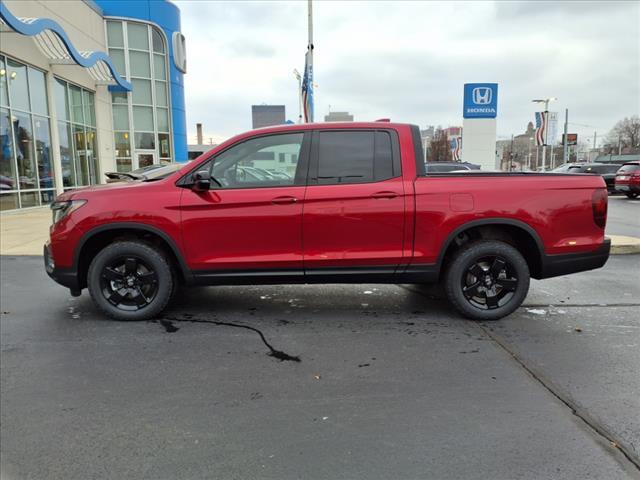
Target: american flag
541 125
456 145
307 86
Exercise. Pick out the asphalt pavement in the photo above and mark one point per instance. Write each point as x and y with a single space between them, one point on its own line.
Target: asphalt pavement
390 383
623 217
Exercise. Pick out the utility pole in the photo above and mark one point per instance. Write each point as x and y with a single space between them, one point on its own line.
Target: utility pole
529 156
564 139
619 145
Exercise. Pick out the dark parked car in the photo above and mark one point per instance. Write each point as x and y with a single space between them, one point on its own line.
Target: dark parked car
606 170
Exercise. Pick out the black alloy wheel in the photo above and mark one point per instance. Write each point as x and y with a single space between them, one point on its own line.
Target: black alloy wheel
490 282
486 279
128 283
131 280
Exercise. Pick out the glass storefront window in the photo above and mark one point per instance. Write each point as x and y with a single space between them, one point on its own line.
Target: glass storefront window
119 98
140 64
89 108
24 150
43 152
158 43
92 154
29 199
143 118
141 92
117 55
123 144
159 68
81 157
47 196
114 34
38 90
78 139
163 145
4 95
26 161
161 94
9 201
123 164
120 117
162 115
144 52
145 141
7 166
62 99
18 86
76 104
66 155
138 36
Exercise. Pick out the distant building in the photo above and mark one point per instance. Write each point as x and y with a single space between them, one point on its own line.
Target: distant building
338 117
197 149
267 115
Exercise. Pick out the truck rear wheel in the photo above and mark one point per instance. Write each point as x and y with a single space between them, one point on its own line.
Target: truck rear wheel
130 280
487 280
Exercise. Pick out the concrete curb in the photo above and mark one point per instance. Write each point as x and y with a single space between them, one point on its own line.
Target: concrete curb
623 245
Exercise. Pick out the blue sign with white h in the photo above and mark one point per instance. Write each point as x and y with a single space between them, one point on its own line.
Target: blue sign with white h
480 100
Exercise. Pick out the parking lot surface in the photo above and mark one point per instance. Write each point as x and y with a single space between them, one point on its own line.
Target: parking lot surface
389 383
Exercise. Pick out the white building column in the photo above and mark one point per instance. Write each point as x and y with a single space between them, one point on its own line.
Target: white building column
55 138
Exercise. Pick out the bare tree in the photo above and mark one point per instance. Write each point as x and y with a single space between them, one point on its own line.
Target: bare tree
625 133
439 147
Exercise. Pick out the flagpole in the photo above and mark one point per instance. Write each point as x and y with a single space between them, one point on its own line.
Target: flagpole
310 47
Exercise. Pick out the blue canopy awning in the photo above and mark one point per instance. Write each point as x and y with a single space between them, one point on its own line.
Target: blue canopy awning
55 44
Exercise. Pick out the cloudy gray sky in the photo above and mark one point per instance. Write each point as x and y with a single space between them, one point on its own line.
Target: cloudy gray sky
409 60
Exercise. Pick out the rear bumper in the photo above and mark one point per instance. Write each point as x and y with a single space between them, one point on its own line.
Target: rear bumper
556 265
67 277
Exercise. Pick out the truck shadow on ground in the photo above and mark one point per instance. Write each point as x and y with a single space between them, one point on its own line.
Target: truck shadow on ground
412 309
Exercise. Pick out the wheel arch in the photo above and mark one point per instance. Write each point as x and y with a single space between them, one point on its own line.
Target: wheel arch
515 232
98 237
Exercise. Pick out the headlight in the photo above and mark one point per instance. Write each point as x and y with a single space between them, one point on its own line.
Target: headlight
62 209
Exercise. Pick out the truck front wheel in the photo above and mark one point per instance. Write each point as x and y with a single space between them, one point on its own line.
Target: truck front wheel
487 280
130 280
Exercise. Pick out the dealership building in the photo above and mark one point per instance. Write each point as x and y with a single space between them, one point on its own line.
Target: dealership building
87 87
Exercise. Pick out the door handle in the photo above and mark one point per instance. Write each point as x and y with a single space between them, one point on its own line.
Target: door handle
384 195
284 200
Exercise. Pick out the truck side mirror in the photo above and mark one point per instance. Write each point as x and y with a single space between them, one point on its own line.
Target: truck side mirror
201 181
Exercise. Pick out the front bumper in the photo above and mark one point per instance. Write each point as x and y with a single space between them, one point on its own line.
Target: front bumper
556 265
67 277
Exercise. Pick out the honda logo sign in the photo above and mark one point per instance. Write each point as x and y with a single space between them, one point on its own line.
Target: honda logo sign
480 100
482 95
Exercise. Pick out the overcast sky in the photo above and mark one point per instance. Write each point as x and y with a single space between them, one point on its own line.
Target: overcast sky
409 60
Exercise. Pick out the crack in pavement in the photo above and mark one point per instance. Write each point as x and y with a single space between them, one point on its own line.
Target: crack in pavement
167 323
620 445
627 451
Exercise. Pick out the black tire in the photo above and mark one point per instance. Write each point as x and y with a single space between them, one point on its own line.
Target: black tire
631 195
130 280
500 283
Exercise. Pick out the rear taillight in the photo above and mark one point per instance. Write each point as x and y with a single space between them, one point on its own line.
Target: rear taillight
599 205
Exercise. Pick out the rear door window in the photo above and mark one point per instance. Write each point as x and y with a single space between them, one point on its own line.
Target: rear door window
629 168
353 157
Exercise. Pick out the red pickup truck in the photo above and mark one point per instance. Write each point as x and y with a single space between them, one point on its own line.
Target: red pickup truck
325 203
